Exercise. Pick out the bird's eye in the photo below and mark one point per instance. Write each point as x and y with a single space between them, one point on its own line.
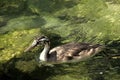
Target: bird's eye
38 42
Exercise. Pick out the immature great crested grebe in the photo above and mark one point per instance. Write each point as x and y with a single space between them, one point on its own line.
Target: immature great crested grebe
66 52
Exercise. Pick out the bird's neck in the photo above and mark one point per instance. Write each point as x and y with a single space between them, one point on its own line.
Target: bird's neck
43 55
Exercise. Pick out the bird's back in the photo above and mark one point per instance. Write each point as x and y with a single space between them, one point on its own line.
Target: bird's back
71 49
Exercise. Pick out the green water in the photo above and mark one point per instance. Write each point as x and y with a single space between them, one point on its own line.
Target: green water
92 21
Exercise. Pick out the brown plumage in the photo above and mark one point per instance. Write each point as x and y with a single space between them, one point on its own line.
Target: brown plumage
66 52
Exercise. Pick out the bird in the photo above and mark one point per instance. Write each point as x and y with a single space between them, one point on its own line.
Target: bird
73 51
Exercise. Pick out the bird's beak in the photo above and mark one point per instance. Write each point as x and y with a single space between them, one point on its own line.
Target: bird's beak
31 46
35 43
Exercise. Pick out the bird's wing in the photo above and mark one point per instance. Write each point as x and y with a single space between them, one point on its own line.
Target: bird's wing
70 49
74 49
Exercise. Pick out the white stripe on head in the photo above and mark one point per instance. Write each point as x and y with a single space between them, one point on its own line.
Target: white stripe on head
44 39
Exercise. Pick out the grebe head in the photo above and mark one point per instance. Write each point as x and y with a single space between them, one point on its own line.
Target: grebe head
38 41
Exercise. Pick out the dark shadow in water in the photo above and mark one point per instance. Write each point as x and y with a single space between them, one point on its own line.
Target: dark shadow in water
105 63
10 72
24 7
113 52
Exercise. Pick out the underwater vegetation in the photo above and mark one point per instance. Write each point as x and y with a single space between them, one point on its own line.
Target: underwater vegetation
63 21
